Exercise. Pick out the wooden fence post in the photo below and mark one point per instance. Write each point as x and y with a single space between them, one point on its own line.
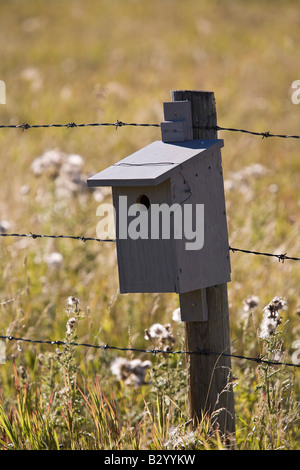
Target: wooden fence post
208 376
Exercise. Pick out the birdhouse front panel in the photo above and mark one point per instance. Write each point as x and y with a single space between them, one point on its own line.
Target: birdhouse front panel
146 263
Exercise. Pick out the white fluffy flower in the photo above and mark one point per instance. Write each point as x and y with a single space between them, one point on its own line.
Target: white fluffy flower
130 372
4 226
54 260
72 302
250 303
70 325
271 317
50 159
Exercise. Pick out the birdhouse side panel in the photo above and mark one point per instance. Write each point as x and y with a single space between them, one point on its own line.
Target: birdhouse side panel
203 256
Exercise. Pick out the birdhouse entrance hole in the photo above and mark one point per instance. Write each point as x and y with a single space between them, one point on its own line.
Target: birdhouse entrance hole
144 200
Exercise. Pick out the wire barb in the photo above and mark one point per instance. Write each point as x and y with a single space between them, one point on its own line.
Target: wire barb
265 134
281 257
118 124
24 126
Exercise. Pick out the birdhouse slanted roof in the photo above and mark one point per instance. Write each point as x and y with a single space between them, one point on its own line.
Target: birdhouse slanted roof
154 163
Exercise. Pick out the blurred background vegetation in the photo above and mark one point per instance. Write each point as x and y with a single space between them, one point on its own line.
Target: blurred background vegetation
99 61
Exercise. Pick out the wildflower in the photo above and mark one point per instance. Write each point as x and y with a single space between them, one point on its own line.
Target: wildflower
241 180
70 179
139 370
250 303
64 391
155 331
4 226
181 439
273 188
271 317
54 260
65 169
71 168
22 372
130 372
24 190
161 334
33 76
73 163
99 195
254 170
72 302
70 325
50 160
277 355
119 368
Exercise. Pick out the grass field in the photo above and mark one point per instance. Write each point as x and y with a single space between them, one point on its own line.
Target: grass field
99 61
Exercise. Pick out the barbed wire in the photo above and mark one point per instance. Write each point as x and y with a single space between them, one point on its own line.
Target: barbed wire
281 257
154 351
264 135
24 126
73 237
117 124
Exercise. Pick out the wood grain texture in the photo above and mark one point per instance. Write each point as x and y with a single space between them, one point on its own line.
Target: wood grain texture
193 306
210 264
178 119
208 376
204 112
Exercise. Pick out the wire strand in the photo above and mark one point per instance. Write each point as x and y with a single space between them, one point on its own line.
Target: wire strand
264 135
281 257
73 237
24 126
258 360
117 124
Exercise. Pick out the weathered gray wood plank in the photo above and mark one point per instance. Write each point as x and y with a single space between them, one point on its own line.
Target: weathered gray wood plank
178 121
209 376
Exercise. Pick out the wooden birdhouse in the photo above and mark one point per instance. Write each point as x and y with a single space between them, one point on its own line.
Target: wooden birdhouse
171 229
